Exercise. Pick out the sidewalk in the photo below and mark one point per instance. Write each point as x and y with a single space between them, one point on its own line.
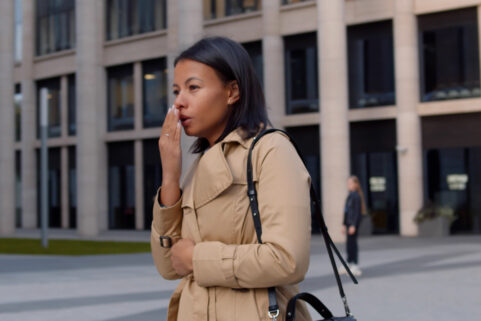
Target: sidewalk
110 235
404 279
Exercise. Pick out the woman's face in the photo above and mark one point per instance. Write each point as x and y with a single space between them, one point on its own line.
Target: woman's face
202 99
351 185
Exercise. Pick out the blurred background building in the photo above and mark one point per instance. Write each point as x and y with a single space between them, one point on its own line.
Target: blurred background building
388 90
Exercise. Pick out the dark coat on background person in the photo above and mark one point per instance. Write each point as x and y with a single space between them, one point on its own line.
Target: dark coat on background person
231 271
352 211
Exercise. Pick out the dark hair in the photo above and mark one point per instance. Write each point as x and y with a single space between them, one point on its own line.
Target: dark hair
231 62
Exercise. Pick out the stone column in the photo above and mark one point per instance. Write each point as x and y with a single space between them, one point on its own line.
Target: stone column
408 122
91 160
333 93
273 49
185 27
29 125
7 153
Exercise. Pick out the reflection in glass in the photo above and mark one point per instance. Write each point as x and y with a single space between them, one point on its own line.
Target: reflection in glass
54 190
154 92
53 105
449 55
72 186
121 177
308 140
72 105
120 85
453 179
55 21
131 17
18 188
254 49
214 9
18 30
152 177
371 65
18 112
301 74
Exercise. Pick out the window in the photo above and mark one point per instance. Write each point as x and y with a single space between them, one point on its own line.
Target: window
374 161
308 140
72 186
72 103
53 105
152 177
301 73
54 190
131 17
254 49
18 30
154 81
371 65
18 112
214 9
449 55
18 188
121 178
120 87
452 175
55 25
293 1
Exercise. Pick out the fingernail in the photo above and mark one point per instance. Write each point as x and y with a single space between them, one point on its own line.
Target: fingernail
178 123
176 111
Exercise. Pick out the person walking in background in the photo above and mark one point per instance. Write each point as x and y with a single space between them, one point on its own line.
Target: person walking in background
354 209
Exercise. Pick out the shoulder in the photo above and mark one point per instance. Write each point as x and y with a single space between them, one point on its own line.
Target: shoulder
355 195
274 142
275 150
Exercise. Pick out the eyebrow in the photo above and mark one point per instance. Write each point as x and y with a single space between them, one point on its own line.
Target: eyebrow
188 80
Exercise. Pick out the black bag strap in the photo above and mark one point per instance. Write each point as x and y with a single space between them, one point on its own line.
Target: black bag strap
252 194
312 300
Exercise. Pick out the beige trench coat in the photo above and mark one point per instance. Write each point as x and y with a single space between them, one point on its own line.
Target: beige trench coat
231 270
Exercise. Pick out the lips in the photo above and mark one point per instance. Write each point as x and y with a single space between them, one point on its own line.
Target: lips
184 120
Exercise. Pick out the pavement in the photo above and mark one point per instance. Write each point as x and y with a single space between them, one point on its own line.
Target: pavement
403 279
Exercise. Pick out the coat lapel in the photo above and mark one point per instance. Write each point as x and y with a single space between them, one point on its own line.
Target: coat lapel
212 177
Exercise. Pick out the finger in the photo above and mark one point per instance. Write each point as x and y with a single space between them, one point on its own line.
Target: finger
169 121
177 132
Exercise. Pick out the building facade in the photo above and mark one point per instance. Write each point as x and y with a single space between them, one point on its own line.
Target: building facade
386 90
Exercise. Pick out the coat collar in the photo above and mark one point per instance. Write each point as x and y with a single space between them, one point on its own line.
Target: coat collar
236 136
211 174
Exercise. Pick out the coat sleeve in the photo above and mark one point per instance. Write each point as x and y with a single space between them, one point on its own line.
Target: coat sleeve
284 205
354 210
167 221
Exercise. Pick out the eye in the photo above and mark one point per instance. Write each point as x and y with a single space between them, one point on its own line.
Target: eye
193 87
175 92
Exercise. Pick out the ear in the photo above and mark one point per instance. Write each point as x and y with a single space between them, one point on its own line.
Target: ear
233 93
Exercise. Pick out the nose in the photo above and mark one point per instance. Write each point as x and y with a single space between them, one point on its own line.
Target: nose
180 101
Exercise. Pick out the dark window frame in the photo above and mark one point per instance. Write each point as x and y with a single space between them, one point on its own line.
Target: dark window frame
51 83
432 30
370 84
159 68
308 44
120 123
59 17
133 13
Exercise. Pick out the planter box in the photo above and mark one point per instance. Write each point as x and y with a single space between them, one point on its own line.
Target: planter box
435 228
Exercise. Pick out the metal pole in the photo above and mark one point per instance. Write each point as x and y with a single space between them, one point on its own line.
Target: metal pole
44 164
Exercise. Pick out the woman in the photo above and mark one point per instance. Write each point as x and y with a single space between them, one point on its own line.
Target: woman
204 232
353 211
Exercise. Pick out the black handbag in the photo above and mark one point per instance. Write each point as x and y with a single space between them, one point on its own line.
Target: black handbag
304 296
